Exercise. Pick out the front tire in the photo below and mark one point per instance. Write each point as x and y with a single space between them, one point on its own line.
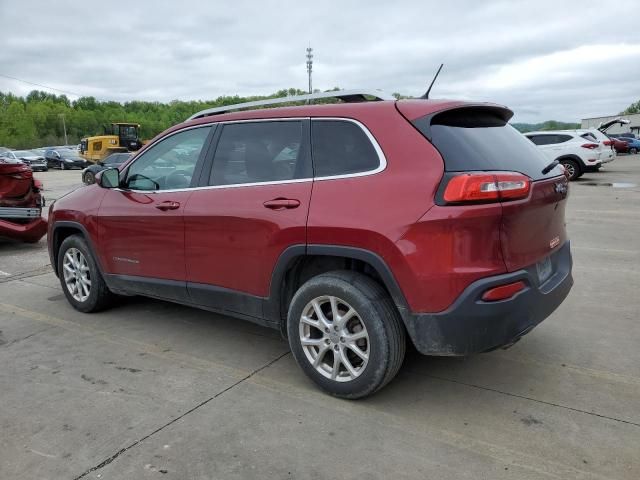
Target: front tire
63 166
80 277
633 151
346 334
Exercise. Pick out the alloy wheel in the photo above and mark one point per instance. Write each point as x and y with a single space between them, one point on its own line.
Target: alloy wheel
334 338
77 277
570 169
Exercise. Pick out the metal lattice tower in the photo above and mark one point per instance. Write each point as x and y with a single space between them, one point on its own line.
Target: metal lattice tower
309 65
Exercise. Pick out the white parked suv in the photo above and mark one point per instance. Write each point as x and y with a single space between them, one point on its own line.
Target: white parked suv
607 152
576 153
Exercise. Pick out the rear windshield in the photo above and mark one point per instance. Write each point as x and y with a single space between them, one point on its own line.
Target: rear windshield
472 139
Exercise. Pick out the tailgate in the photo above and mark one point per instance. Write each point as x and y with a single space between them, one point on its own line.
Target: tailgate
533 228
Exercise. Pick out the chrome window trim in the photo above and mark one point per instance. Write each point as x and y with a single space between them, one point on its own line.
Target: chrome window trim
139 155
382 159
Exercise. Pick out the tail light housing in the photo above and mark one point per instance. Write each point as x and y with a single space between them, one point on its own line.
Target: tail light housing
590 146
608 143
485 187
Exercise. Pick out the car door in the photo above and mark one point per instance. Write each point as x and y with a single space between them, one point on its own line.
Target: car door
253 205
141 225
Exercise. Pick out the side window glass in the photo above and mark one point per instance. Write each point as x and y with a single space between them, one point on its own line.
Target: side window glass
589 136
546 139
341 147
170 163
255 152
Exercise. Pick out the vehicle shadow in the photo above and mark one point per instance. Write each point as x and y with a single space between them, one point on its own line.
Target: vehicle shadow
237 343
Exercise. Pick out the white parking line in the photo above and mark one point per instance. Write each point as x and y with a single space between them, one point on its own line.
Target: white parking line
6 274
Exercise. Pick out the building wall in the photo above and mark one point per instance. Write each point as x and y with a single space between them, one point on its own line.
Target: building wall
634 126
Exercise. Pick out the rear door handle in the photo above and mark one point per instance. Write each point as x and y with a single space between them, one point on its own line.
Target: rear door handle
168 205
282 203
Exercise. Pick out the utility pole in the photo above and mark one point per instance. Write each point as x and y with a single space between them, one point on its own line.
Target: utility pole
64 126
309 65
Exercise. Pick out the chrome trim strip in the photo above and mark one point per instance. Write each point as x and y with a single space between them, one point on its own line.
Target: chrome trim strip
381 158
20 212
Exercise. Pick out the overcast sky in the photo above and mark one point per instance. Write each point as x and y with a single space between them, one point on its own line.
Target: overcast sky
561 60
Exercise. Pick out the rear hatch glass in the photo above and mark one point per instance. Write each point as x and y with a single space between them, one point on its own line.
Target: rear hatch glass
480 139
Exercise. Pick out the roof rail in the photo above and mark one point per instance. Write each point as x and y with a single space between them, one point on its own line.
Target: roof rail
344 95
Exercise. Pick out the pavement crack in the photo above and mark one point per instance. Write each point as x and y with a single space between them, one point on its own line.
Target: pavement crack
524 397
36 272
13 342
159 429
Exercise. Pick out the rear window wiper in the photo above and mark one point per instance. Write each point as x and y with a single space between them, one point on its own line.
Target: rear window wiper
550 167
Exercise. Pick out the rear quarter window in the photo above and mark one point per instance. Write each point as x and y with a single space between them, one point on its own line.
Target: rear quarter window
341 147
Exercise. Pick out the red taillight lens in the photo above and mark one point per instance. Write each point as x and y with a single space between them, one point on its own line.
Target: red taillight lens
486 187
590 146
608 143
503 291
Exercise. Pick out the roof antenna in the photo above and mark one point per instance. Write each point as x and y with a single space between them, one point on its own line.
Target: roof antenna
426 94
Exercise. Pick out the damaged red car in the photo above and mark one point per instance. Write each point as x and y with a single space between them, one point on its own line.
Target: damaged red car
21 203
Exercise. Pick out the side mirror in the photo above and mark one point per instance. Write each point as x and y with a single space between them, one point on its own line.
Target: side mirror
109 178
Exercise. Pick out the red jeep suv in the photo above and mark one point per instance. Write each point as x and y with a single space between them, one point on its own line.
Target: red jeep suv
346 226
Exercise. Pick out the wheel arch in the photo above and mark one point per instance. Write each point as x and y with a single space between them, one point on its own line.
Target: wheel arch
64 229
573 157
298 263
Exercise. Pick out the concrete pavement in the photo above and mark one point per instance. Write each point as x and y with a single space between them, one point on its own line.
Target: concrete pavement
149 389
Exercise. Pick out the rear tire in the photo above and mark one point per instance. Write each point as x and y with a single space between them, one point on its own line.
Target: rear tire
80 277
89 178
357 344
572 168
62 166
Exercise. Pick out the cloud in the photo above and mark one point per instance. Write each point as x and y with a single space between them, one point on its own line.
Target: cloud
544 59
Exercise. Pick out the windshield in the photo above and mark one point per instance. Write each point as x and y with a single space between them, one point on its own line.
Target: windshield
116 159
69 154
26 153
128 131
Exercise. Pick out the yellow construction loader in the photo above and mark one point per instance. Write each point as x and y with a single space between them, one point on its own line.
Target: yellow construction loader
120 137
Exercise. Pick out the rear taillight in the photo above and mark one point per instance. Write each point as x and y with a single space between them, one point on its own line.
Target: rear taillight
503 292
608 143
590 146
486 187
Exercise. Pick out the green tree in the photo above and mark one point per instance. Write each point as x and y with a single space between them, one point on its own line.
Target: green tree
631 109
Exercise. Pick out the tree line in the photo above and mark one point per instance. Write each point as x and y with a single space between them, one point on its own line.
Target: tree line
39 119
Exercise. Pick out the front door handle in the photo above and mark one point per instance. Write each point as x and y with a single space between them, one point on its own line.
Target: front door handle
168 205
282 203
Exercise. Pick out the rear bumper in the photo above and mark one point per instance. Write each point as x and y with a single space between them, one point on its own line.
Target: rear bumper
30 232
471 325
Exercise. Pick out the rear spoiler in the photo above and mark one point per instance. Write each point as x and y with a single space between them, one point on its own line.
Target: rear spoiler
465 116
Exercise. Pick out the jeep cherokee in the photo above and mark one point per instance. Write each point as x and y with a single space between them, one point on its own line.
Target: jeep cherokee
349 227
